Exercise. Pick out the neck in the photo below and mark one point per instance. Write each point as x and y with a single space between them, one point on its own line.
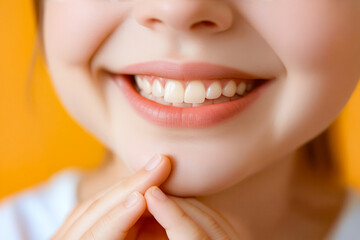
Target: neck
258 202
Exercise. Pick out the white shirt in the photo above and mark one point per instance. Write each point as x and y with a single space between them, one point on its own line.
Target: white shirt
37 213
347 226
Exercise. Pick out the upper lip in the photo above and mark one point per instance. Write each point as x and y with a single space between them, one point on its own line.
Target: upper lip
186 71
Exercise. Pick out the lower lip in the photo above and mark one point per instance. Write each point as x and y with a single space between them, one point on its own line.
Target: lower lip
193 117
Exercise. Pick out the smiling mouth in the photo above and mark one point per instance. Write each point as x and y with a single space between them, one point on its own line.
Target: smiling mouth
189 95
194 93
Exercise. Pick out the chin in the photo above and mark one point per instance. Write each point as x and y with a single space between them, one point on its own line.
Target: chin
190 188
195 174
203 182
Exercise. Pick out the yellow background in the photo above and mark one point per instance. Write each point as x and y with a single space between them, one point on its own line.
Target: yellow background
37 141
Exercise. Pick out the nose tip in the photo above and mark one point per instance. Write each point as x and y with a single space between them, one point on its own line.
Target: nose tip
211 16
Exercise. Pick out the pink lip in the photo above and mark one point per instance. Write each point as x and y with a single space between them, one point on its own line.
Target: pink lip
196 117
186 71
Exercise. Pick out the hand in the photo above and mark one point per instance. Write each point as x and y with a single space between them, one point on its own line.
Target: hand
187 218
110 214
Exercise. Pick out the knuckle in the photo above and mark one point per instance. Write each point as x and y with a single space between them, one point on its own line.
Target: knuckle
183 222
104 227
108 219
181 219
119 184
132 182
216 229
94 233
94 204
198 234
213 225
122 185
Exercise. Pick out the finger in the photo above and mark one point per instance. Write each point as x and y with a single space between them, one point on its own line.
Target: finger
171 217
154 173
212 223
117 222
226 225
78 211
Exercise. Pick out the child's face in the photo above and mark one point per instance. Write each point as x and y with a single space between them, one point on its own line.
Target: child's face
310 49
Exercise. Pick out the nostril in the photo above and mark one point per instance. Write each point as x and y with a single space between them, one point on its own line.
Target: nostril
203 24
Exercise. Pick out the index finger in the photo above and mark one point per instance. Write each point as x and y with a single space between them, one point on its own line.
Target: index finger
91 210
172 218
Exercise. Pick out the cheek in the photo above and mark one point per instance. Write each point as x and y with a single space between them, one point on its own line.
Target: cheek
74 30
314 35
318 43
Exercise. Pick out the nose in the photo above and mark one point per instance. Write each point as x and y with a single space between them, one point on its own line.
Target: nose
210 16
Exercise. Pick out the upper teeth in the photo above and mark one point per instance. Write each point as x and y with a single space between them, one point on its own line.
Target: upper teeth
195 91
214 90
174 92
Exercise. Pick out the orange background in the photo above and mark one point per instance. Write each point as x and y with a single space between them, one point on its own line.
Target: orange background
36 142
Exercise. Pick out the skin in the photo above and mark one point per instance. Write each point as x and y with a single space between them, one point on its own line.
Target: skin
308 48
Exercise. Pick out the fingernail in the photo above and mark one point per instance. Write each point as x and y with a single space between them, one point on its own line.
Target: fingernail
157 193
153 162
131 200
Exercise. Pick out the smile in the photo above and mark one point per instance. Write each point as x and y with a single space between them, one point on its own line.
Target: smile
196 95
